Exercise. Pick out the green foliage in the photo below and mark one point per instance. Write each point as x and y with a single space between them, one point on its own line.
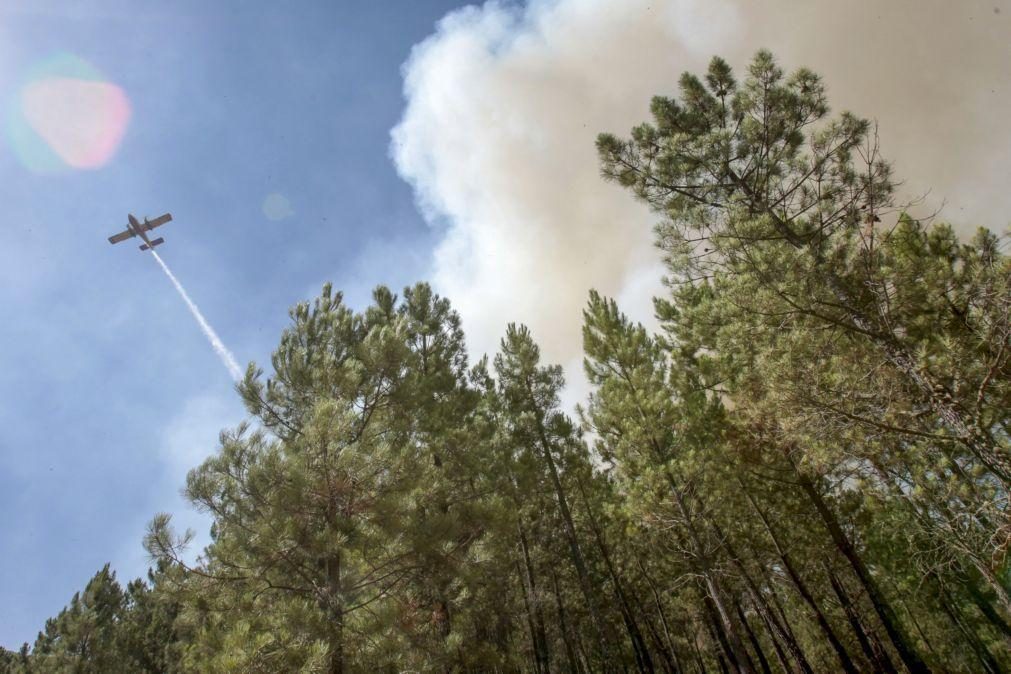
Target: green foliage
106 629
849 354
346 524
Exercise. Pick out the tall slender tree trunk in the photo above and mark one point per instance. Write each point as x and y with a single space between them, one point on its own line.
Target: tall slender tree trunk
979 649
776 604
642 658
953 415
756 646
542 654
698 651
776 630
780 631
917 511
336 659
719 637
570 530
335 611
781 657
881 606
563 625
880 660
994 582
668 659
805 593
531 625
986 608
702 562
660 613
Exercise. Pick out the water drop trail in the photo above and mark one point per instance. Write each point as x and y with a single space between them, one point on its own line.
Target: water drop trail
219 347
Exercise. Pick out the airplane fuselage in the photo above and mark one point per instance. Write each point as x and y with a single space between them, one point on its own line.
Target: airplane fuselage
138 229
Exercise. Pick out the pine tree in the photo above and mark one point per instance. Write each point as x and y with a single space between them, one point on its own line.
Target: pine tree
341 523
846 348
530 394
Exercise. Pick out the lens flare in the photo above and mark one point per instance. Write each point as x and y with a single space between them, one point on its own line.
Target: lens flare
276 207
67 116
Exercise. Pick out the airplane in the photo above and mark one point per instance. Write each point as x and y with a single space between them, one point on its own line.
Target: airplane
140 229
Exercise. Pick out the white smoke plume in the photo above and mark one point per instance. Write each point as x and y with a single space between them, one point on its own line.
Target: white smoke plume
504 101
227 359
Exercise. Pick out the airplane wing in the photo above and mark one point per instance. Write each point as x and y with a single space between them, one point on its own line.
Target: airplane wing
122 236
157 222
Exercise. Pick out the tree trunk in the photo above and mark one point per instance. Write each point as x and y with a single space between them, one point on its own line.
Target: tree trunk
951 413
669 660
642 658
784 662
755 644
768 616
698 651
880 660
335 610
665 645
336 660
881 606
979 649
563 625
700 559
719 636
826 628
804 663
542 655
573 540
987 609
995 583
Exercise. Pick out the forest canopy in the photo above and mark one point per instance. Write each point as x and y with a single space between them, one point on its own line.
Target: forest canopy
804 469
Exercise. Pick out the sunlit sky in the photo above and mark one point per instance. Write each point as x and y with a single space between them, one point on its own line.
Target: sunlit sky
264 129
365 142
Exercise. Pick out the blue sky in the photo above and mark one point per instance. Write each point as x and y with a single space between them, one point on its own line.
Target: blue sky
108 391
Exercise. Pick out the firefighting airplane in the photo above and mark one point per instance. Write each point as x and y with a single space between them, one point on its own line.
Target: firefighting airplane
140 229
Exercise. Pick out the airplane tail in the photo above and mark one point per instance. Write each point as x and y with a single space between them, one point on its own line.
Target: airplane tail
154 243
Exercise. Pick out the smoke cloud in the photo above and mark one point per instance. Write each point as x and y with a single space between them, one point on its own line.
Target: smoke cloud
227 359
503 103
